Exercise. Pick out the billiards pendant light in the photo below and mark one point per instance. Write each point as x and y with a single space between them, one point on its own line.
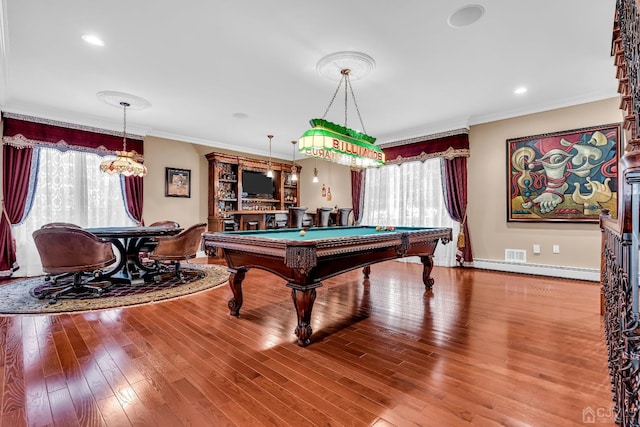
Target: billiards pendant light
333 142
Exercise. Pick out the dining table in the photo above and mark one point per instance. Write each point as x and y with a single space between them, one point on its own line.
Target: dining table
130 242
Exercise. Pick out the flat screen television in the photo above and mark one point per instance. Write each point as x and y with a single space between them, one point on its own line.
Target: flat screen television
257 185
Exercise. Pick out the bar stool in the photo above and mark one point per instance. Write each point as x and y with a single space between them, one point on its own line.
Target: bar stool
323 214
229 225
296 216
343 216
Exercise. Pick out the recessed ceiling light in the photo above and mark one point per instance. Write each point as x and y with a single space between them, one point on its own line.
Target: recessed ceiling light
465 16
91 39
240 115
520 90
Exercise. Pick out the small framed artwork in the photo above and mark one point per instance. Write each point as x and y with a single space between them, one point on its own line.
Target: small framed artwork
567 176
178 183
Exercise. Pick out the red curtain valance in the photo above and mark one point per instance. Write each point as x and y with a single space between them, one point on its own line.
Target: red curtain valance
448 146
54 133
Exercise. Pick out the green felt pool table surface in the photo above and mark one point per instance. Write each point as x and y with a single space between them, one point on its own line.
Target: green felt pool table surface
319 233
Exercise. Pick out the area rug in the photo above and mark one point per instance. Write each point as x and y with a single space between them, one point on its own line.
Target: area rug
16 297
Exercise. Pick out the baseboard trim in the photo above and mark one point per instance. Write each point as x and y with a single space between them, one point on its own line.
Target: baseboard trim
589 274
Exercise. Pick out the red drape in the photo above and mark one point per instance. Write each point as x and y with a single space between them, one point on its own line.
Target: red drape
356 193
44 132
16 166
455 178
133 197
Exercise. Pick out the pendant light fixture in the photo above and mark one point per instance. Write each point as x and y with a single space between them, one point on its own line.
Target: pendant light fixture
335 143
294 168
126 163
270 166
315 170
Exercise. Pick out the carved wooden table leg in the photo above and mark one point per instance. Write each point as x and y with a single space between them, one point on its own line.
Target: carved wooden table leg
366 271
427 262
235 283
303 301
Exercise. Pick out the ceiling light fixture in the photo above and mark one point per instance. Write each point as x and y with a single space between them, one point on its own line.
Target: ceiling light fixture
339 144
466 16
520 90
315 170
270 166
91 39
126 163
294 168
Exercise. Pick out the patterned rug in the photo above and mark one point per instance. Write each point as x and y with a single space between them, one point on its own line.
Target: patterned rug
18 297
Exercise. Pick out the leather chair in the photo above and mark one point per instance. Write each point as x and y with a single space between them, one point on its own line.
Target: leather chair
148 246
70 249
173 249
323 215
343 216
296 216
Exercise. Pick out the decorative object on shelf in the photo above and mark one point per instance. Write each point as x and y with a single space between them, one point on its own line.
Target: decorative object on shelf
294 169
339 144
270 165
126 163
178 182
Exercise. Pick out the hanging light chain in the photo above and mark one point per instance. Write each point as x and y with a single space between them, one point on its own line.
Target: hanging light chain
333 98
353 95
124 125
348 87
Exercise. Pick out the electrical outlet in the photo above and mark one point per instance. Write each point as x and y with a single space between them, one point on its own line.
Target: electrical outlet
536 249
556 249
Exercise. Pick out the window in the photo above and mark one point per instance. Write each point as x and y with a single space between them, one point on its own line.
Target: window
409 194
69 188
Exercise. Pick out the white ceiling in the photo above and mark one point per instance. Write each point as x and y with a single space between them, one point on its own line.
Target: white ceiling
199 62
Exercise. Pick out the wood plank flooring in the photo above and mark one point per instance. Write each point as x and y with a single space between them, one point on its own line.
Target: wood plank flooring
483 349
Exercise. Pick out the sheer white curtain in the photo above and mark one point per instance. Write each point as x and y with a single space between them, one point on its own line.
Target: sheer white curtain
70 188
411 195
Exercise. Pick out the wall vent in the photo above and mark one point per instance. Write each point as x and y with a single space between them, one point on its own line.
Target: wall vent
515 255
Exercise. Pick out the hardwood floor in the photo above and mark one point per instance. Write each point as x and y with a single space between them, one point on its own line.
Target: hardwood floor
483 348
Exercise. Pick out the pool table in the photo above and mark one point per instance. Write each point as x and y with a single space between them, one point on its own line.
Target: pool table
304 260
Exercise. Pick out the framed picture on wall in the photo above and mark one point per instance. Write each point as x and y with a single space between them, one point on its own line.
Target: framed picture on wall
567 176
177 182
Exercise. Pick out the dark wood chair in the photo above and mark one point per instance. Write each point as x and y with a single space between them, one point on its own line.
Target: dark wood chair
296 217
343 216
171 250
68 250
323 216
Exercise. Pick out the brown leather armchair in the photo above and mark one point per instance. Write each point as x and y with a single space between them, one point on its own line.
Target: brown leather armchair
151 244
173 249
70 249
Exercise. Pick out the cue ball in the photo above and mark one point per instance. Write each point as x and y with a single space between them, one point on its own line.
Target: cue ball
302 232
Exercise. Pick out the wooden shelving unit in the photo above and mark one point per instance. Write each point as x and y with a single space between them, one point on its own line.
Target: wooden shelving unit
226 201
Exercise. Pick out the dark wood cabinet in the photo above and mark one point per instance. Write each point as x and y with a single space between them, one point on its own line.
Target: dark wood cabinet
229 200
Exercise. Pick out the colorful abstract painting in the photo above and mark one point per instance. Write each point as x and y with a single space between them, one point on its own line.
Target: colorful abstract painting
564 176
